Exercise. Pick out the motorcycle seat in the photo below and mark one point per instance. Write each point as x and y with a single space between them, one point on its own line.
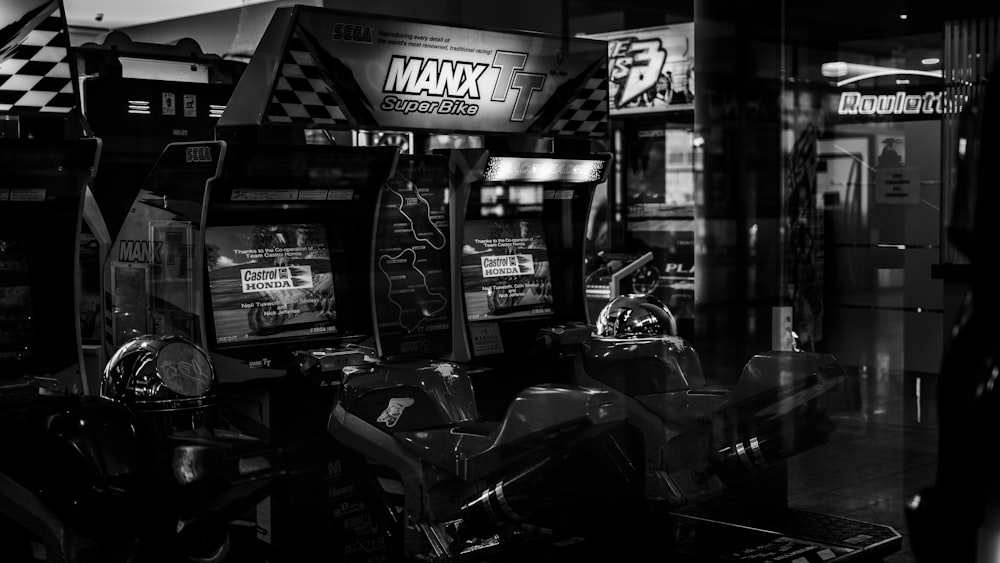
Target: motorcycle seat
771 384
540 418
480 428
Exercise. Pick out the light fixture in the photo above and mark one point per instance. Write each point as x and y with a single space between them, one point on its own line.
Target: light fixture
854 72
510 168
835 69
139 106
930 61
902 16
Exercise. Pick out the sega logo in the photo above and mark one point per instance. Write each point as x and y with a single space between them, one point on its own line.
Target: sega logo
352 33
198 154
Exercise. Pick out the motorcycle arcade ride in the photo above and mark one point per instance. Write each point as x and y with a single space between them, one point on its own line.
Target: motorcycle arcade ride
517 224
479 455
254 247
413 415
86 478
405 414
251 249
713 455
706 459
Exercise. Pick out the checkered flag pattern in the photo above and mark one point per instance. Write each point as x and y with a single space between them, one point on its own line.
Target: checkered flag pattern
300 94
36 76
587 113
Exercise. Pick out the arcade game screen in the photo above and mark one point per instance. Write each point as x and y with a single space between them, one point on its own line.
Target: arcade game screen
269 282
505 261
15 302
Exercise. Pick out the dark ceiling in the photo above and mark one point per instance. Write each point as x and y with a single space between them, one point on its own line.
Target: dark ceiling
810 20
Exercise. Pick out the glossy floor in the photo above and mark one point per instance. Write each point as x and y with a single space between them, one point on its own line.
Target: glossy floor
883 451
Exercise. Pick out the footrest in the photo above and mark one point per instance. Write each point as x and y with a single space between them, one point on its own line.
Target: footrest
848 536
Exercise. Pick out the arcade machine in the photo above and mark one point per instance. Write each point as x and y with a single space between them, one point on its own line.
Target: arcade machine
254 250
518 247
257 248
651 85
47 159
137 97
254 246
509 211
74 479
393 274
522 325
50 157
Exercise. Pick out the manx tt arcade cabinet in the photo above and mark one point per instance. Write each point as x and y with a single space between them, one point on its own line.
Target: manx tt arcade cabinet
49 157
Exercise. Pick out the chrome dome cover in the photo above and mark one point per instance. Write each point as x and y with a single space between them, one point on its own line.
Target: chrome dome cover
636 316
155 372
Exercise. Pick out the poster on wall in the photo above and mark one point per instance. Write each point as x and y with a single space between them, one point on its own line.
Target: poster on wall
660 172
650 70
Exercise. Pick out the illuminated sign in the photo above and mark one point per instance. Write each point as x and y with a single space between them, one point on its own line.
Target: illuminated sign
456 80
524 169
900 103
329 68
415 75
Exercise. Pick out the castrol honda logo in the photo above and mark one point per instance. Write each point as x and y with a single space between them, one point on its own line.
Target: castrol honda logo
278 277
507 265
456 84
